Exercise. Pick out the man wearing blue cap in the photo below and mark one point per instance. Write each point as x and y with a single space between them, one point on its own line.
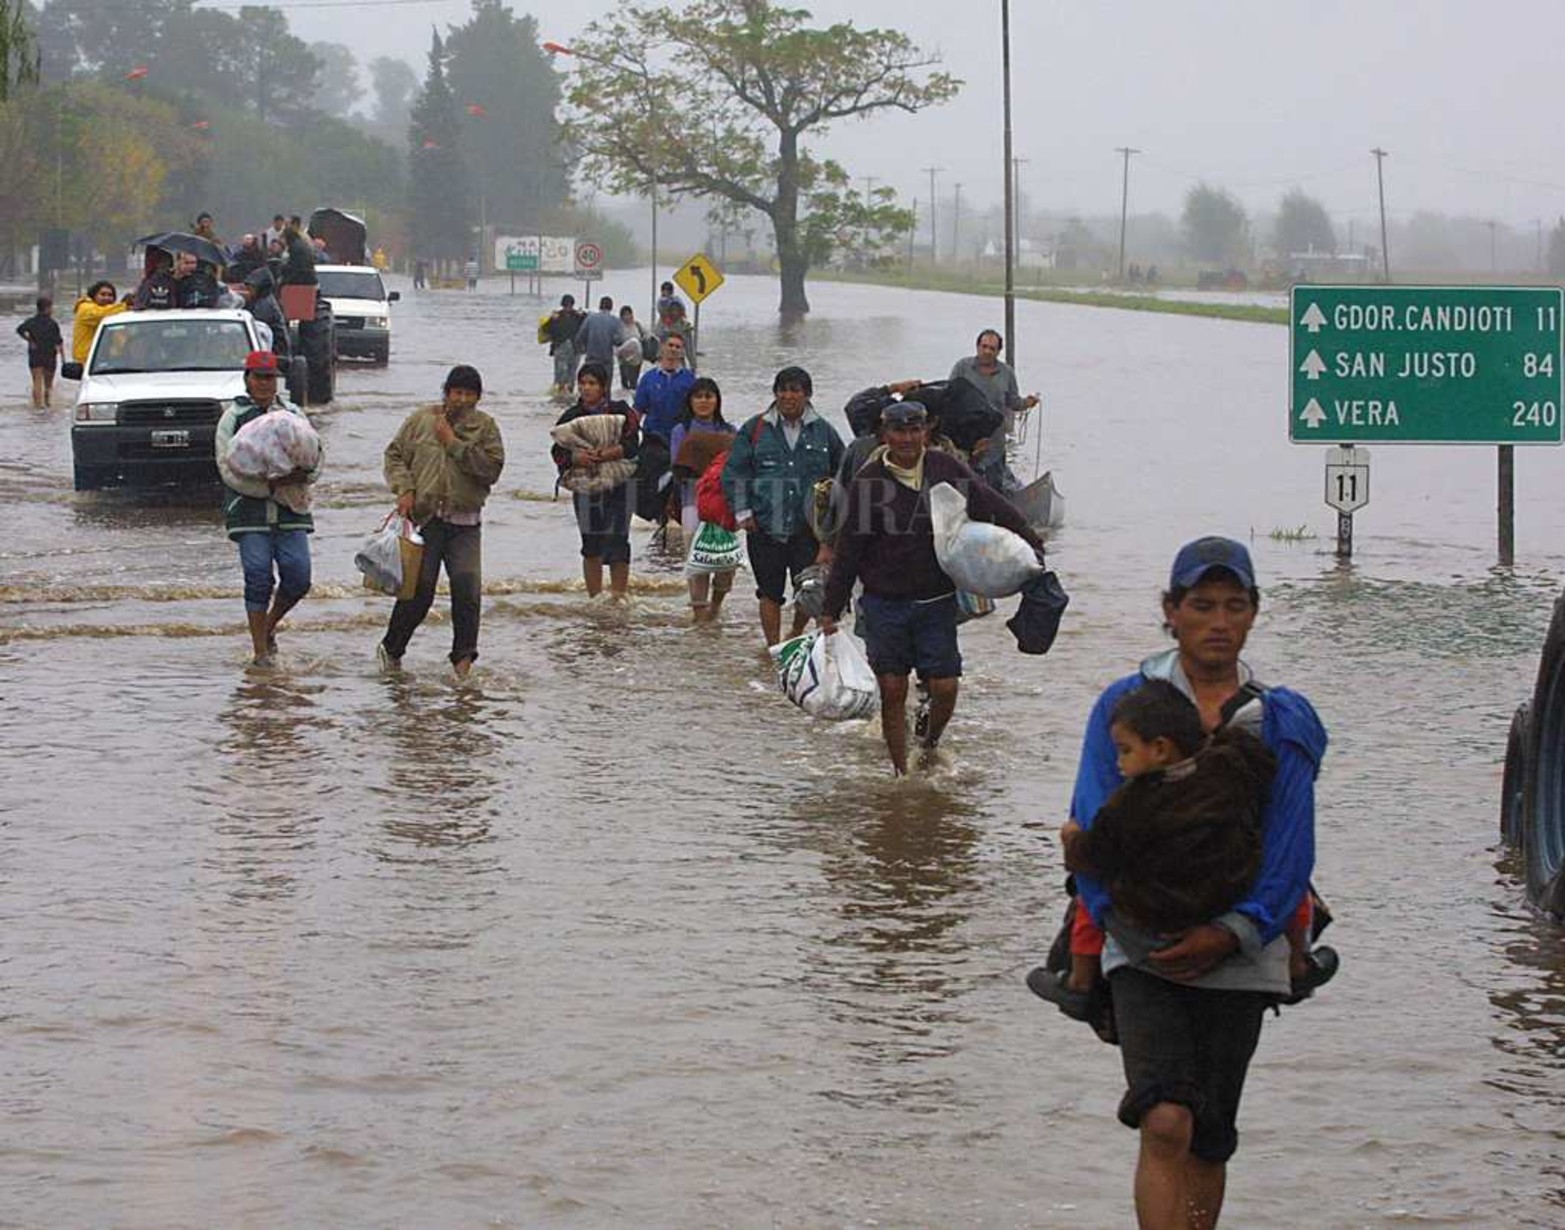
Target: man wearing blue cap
1188 1008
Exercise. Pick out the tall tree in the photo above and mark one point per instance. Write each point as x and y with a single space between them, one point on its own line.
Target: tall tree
271 67
18 48
715 100
440 196
1213 223
507 94
395 85
337 85
1303 225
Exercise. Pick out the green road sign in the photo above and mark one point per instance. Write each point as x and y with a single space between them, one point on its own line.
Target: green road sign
1426 365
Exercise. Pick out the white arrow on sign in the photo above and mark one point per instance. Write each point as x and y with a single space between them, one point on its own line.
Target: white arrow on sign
1313 318
1312 366
1313 415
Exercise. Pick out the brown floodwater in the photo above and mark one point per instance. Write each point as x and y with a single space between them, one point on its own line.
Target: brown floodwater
617 937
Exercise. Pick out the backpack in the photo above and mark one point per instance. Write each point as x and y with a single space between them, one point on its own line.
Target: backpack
711 502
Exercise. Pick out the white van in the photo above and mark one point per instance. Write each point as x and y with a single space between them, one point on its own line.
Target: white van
361 308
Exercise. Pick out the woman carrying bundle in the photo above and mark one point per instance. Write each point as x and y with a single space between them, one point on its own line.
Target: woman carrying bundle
701 436
596 460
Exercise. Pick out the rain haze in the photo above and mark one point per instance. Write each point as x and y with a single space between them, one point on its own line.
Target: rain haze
1254 99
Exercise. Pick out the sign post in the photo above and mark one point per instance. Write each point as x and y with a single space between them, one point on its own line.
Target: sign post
1428 365
1347 490
698 277
589 266
516 254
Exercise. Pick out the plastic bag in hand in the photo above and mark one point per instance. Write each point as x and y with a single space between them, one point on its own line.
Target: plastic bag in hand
385 560
827 676
987 560
714 550
273 445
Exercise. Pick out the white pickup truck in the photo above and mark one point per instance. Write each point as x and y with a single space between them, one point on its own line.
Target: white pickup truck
152 390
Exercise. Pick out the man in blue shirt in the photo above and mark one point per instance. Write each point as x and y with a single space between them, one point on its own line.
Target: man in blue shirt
661 392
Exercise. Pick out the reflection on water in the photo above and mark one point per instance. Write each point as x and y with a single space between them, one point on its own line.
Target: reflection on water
615 935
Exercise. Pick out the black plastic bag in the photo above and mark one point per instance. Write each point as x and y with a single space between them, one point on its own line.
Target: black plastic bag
965 413
1037 619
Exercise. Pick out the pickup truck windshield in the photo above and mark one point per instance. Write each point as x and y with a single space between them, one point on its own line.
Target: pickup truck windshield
153 345
339 284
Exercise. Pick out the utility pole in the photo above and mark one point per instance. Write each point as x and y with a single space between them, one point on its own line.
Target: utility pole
1124 204
1016 179
1010 168
869 187
1537 224
653 194
933 243
1493 263
956 230
1380 176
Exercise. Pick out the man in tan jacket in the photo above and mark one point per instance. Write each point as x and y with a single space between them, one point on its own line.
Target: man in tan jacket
441 465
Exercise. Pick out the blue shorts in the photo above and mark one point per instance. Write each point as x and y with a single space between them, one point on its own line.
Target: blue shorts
902 636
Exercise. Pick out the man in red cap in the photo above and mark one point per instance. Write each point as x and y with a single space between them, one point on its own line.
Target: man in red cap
268 517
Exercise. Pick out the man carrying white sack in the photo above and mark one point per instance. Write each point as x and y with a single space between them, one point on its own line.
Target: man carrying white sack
266 508
909 603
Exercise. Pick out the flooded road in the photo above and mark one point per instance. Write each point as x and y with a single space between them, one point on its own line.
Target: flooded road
620 938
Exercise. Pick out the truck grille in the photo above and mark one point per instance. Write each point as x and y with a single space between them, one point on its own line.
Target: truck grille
169 413
350 322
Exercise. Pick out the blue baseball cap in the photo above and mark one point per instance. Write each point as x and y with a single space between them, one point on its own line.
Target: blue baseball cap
1196 559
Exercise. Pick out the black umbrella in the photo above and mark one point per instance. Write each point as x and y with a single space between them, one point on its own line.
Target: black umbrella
179 241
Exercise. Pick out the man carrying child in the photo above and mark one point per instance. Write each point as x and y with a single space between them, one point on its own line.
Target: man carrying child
1187 1005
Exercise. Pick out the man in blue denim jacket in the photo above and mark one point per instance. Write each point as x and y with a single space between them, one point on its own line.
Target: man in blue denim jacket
769 481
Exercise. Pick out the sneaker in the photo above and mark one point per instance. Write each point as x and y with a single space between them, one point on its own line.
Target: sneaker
388 664
264 661
921 717
1321 966
1046 984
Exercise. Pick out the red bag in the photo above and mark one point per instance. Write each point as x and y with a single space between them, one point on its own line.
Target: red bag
711 503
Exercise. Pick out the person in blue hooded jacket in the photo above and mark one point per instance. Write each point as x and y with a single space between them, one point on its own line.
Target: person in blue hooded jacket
1188 1008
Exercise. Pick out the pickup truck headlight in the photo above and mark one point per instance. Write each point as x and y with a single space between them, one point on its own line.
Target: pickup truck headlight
377 322
97 411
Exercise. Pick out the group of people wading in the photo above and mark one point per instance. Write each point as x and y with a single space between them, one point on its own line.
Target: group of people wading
1191 826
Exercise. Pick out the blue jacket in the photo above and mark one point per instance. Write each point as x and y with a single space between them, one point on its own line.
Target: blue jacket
774 483
1291 729
660 396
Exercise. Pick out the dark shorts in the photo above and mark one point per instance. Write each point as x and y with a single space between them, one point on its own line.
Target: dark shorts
1188 1046
41 363
902 636
604 521
774 562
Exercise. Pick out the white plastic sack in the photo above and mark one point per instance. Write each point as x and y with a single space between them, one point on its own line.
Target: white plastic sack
629 351
827 676
713 549
987 560
274 444
380 558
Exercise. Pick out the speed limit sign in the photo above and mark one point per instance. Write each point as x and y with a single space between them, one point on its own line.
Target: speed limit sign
589 259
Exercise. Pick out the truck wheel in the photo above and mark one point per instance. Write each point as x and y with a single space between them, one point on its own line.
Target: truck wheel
1543 803
298 380
90 478
1513 789
318 344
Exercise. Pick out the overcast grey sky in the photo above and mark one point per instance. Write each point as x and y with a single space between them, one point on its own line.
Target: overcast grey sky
1253 95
